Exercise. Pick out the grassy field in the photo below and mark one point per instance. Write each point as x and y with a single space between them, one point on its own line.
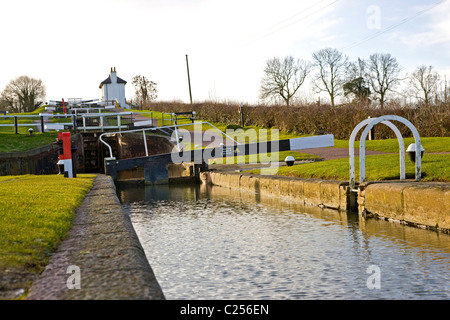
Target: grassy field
35 112
391 145
21 129
265 158
221 126
10 142
11 129
35 215
435 167
435 163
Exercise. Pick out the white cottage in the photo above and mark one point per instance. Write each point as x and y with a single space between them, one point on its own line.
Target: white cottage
113 88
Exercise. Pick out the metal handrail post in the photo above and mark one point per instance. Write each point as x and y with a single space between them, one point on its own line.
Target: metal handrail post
74 122
145 142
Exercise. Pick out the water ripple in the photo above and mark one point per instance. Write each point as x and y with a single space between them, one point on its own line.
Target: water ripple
222 244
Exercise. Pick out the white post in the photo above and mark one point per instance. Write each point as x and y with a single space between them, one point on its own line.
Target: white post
351 149
145 142
68 167
177 137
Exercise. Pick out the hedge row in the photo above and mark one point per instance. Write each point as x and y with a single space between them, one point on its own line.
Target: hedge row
433 121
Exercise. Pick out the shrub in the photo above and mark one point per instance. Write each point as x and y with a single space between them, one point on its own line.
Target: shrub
432 121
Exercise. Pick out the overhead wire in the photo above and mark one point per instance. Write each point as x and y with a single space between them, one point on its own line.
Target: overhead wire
290 24
287 19
405 20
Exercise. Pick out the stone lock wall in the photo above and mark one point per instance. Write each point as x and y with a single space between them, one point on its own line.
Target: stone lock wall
420 204
42 160
325 193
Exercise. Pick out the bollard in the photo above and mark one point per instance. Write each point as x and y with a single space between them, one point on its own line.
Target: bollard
73 150
371 132
289 161
411 151
65 154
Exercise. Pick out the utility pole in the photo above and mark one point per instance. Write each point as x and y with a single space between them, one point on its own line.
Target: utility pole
189 79
445 89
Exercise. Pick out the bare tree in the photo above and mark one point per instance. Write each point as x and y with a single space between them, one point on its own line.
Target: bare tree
283 78
384 73
145 89
23 94
425 80
445 91
331 65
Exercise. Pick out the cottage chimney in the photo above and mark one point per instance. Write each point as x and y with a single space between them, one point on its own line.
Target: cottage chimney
113 75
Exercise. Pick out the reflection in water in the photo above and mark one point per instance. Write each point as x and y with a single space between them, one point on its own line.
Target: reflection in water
218 243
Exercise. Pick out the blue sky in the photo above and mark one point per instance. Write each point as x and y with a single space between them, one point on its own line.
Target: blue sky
71 45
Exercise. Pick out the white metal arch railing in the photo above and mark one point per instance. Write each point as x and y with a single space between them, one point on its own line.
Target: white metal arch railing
352 152
370 123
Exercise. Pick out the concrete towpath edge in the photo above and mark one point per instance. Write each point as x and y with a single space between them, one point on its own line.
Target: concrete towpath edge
101 258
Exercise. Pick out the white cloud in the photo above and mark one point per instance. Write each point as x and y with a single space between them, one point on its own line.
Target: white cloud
71 45
433 30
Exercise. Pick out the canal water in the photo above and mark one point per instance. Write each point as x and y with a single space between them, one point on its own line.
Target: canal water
209 243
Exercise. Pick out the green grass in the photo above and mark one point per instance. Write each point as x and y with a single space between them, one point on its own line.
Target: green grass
163 119
35 215
61 120
434 144
21 129
247 134
221 126
435 167
10 142
265 158
35 112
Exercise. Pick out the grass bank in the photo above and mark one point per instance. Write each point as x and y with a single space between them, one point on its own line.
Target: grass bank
435 167
35 215
41 109
10 127
430 144
435 162
11 142
249 134
266 158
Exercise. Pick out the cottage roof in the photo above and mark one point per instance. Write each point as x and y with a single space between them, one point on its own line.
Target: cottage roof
108 80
